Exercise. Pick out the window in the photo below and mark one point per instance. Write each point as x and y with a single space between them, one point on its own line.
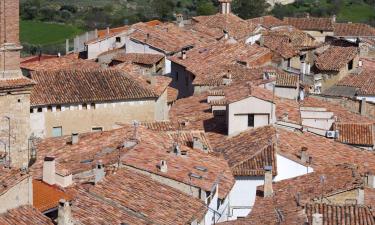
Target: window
49 108
97 129
118 39
57 132
350 65
302 57
58 108
40 109
84 106
250 120
92 105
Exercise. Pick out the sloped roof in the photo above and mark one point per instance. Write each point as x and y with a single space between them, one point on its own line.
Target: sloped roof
24 215
267 21
335 58
287 80
311 23
85 86
46 197
356 133
10 177
139 58
363 81
21 82
353 30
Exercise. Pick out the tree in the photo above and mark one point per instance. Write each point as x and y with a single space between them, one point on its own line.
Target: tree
163 9
206 7
250 8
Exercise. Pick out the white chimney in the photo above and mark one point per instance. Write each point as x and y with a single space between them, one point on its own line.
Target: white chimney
99 171
304 156
226 34
75 138
180 20
49 170
225 6
334 19
64 216
268 191
360 63
183 54
163 166
317 219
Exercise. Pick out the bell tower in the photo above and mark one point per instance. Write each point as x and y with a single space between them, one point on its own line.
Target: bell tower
15 91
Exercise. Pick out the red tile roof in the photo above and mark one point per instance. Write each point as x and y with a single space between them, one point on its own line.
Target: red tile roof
24 215
138 199
267 21
335 58
364 81
10 177
249 152
22 82
311 23
280 45
234 25
287 80
112 31
85 86
46 197
353 30
172 94
58 63
138 58
356 133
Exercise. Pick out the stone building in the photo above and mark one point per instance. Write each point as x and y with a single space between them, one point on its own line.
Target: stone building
14 90
77 101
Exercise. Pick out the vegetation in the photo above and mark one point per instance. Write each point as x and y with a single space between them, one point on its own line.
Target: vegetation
345 10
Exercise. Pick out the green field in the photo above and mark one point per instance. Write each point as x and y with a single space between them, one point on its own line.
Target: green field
39 33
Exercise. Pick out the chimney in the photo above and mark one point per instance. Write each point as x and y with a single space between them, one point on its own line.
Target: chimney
99 171
261 41
183 54
153 80
360 196
363 106
317 219
334 19
49 170
108 31
307 15
197 144
225 6
64 216
226 34
369 180
163 166
180 20
360 63
304 156
268 191
176 149
75 138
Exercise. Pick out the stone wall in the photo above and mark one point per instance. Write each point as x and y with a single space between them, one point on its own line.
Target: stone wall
18 195
353 105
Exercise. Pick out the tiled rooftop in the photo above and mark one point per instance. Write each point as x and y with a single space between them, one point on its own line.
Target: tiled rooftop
267 21
356 133
46 197
287 80
10 177
311 23
86 86
138 58
364 82
22 82
136 199
353 30
24 215
335 58
59 63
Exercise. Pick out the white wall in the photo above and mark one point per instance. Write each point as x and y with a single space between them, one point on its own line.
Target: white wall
285 92
96 48
287 168
237 114
18 195
252 39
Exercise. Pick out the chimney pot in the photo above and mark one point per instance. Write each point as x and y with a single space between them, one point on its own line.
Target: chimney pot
317 219
75 138
49 170
304 156
64 213
99 171
163 166
268 191
183 54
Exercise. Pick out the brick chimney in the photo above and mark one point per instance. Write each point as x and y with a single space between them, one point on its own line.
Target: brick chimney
49 170
317 219
268 191
64 216
225 6
9 39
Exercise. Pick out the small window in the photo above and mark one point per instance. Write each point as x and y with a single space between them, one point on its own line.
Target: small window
49 108
118 39
250 120
93 106
19 100
58 108
97 129
350 65
40 110
57 132
302 58
84 106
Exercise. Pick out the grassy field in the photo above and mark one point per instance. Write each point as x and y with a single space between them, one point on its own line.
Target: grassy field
356 12
39 33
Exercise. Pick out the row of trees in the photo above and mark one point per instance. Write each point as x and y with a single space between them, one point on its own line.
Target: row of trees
117 12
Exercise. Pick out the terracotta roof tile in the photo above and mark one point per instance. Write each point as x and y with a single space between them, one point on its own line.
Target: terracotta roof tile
138 58
137 199
311 23
353 30
85 86
59 63
9 178
46 197
364 82
172 94
24 215
356 133
21 82
335 58
234 25
267 21
287 80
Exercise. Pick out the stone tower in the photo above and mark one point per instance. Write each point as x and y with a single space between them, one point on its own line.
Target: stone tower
14 90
